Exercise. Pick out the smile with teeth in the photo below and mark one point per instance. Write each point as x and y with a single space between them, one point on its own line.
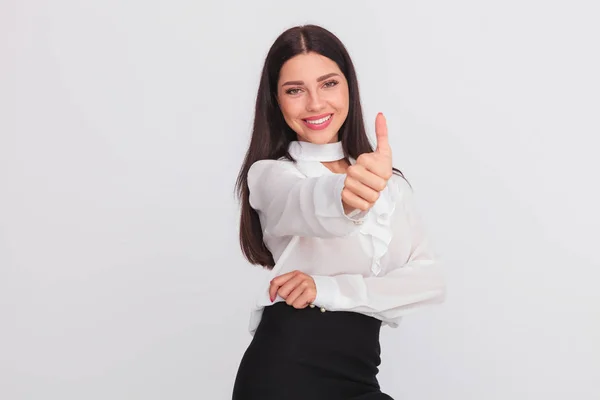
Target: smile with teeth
318 121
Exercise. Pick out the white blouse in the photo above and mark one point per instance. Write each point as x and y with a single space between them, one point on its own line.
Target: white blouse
378 263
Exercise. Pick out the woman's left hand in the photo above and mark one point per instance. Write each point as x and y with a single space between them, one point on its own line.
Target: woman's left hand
296 288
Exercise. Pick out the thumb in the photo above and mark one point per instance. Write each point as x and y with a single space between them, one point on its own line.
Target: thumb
381 132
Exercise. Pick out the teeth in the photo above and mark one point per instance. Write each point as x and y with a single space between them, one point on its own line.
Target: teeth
319 121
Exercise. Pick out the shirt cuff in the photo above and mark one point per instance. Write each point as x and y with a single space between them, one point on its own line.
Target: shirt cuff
327 291
357 215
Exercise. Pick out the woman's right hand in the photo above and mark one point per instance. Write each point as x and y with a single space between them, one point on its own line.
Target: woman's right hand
369 176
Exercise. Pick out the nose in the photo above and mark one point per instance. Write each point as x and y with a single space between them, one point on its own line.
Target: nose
315 102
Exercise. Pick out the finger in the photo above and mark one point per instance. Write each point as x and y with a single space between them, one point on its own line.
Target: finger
273 291
278 281
381 132
361 190
285 290
362 174
306 298
354 201
292 298
376 163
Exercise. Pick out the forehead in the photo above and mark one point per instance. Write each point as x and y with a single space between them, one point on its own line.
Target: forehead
307 67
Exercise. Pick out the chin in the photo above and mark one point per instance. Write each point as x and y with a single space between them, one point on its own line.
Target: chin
324 136
318 138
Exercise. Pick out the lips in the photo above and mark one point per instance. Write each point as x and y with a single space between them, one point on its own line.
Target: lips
317 117
324 121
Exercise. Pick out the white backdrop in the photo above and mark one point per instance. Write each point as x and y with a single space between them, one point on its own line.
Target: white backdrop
122 128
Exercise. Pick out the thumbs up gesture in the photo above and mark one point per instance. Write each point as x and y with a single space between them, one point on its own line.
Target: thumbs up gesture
369 175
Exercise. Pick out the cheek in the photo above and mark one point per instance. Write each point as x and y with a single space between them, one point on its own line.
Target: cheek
340 101
342 109
341 104
290 108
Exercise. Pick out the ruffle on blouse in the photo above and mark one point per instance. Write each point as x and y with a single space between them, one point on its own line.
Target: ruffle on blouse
378 225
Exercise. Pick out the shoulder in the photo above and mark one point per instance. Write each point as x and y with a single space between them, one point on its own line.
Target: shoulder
272 165
404 193
401 185
263 170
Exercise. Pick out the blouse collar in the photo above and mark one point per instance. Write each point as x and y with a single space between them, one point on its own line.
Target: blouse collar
307 151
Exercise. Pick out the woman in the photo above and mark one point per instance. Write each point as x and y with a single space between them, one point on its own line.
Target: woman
335 224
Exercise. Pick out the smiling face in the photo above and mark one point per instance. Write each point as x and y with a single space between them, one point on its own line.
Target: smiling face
313 96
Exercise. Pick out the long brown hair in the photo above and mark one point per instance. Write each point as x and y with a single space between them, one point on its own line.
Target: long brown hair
271 135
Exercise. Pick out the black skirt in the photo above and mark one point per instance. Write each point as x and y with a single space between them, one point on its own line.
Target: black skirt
308 354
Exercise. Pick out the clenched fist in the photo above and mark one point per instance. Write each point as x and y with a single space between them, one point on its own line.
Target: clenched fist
369 176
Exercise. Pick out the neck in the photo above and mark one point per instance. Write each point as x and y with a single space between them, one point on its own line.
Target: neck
337 167
307 151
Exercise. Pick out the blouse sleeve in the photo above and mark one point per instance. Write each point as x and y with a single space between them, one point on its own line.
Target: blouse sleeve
417 282
290 204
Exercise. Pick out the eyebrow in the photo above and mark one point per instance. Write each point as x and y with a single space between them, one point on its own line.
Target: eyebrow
319 79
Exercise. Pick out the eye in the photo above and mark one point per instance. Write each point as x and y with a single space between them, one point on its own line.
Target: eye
329 84
292 91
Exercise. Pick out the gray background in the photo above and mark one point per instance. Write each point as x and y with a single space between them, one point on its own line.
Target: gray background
122 128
